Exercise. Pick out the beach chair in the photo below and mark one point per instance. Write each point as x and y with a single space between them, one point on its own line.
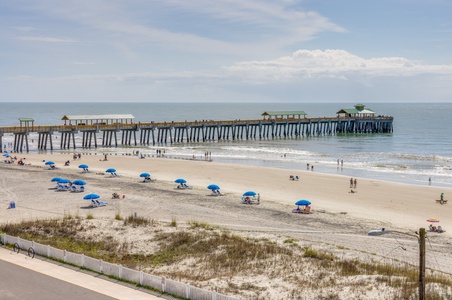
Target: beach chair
62 187
100 203
97 203
73 188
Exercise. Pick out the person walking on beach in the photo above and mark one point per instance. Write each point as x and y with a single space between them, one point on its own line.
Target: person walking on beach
351 182
355 182
430 181
442 197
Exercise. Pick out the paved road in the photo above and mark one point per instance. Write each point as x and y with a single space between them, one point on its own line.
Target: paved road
20 283
22 277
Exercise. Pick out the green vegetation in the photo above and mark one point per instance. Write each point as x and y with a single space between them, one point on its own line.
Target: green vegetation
210 251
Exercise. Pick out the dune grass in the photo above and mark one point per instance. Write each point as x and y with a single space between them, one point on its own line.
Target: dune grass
210 252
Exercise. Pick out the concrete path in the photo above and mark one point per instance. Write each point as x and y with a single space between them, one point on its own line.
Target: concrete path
22 277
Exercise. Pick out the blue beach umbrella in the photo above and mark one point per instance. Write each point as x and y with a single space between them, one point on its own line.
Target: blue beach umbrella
6 155
78 182
111 170
48 163
180 180
64 181
91 196
213 187
249 194
303 202
83 166
56 179
145 175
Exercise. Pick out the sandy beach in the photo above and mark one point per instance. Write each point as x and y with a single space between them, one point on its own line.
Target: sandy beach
339 217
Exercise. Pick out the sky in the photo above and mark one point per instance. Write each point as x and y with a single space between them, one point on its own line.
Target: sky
304 51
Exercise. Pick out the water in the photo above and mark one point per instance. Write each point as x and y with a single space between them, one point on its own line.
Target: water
420 146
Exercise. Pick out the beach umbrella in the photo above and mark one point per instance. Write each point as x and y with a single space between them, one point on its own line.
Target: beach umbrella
49 163
56 179
180 180
213 187
79 182
303 202
64 181
433 220
91 196
249 194
145 175
6 155
110 170
83 166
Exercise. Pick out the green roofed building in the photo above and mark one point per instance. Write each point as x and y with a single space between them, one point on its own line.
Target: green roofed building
359 110
277 115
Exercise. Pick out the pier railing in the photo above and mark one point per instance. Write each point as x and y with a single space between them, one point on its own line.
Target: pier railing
160 283
122 126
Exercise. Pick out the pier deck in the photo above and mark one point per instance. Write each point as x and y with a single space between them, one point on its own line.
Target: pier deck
152 133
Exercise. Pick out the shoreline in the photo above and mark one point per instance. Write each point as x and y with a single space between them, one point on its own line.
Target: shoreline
339 218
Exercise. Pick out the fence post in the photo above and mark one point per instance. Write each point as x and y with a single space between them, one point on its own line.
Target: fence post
120 272
141 277
163 284
214 295
18 241
187 291
64 256
2 238
101 268
48 251
83 260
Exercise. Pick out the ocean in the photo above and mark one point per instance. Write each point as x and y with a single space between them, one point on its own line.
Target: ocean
419 148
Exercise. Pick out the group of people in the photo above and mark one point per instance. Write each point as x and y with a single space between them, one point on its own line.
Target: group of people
438 229
291 177
250 200
306 210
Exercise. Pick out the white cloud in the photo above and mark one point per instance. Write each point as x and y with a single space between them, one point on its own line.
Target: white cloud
45 39
330 63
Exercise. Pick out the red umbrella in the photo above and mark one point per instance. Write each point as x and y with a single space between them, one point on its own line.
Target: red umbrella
433 220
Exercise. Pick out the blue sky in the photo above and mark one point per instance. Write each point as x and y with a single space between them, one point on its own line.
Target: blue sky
226 51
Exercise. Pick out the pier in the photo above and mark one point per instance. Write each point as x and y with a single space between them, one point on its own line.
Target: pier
121 130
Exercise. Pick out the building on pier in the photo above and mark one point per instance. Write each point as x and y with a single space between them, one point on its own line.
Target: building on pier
284 115
358 111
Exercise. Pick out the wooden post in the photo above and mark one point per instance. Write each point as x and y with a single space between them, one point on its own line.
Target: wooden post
421 263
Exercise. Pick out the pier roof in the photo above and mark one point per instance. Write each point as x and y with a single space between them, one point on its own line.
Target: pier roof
97 117
284 113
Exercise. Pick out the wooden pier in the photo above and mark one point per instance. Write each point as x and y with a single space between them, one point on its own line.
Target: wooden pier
157 133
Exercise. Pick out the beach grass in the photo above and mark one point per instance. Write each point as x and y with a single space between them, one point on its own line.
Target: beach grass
211 252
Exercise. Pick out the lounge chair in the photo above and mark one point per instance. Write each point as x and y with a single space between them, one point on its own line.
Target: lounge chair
63 187
97 203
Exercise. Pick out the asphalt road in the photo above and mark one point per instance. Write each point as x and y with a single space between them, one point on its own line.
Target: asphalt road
20 283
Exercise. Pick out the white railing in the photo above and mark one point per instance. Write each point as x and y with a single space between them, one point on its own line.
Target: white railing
157 282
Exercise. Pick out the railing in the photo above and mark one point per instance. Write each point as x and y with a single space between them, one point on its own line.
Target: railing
136 126
144 279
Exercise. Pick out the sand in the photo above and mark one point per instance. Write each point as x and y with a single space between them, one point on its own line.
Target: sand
339 217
